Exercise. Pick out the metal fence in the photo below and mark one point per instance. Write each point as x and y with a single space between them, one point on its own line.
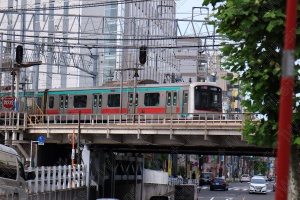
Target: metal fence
57 178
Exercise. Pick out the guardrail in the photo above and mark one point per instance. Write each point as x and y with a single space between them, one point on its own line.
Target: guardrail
203 118
12 120
18 121
57 178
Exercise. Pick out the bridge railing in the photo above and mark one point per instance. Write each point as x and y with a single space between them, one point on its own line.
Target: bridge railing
201 118
57 178
12 120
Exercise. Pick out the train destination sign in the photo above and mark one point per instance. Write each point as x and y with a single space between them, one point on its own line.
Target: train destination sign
8 102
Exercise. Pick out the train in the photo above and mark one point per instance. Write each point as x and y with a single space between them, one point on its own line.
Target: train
111 99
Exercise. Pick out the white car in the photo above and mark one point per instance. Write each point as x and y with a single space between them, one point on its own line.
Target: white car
258 185
245 178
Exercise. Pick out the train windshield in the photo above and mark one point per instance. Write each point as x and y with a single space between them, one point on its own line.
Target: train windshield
208 98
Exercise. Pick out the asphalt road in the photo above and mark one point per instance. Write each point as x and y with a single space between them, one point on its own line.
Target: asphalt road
236 191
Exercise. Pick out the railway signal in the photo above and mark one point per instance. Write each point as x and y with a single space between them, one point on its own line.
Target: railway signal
143 55
19 54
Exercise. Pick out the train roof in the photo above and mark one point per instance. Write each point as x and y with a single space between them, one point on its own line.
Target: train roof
140 84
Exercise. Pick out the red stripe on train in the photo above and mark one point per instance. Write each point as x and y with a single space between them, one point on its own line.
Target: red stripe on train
112 111
151 110
82 111
52 112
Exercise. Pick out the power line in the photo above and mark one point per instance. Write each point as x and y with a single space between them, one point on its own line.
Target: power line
75 6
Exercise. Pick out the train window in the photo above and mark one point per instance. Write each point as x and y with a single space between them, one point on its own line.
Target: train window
100 101
61 105
95 101
208 98
151 99
80 101
113 100
186 97
130 99
175 99
169 98
66 102
136 99
51 101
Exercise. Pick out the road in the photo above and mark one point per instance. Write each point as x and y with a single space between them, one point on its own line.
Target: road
236 191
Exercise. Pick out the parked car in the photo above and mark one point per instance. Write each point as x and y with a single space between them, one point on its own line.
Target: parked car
271 178
245 178
258 185
205 178
12 175
218 183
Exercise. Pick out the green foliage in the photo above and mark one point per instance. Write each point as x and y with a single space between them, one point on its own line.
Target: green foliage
256 29
260 167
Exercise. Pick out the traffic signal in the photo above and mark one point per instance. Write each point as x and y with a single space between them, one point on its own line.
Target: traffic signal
143 55
19 54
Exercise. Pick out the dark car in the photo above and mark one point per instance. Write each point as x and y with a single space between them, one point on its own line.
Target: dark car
218 183
205 178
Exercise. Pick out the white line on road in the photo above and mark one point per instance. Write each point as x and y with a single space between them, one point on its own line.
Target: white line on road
212 198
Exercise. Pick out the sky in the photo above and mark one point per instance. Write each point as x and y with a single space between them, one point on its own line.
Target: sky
184 8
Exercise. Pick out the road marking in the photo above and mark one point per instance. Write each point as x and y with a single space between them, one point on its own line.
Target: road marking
212 198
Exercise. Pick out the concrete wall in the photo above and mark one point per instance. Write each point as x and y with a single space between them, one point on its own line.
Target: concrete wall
127 192
69 194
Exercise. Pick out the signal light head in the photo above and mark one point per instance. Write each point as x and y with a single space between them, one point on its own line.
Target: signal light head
143 55
19 54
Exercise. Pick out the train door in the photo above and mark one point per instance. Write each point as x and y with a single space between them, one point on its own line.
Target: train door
97 103
63 104
171 102
131 108
185 99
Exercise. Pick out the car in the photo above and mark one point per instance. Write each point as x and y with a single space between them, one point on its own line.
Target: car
271 178
205 178
265 177
258 185
218 183
245 178
12 175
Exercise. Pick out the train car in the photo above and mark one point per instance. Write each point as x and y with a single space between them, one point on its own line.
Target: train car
186 99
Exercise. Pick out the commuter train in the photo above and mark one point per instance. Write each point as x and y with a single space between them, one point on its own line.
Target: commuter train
174 98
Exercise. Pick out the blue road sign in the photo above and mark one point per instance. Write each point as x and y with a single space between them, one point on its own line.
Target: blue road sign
41 139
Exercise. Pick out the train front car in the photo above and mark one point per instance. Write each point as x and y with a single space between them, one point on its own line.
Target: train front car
205 101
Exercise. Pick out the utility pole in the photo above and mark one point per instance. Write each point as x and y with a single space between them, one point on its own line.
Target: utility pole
78 139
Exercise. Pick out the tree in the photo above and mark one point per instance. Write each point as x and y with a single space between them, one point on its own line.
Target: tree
256 31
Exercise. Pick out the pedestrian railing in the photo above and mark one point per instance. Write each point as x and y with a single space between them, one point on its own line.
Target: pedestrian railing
57 178
180 181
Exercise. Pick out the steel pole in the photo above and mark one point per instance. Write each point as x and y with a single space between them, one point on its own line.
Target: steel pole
286 103
31 154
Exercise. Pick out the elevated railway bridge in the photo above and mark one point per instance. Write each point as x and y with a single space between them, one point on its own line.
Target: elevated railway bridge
130 133
112 146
